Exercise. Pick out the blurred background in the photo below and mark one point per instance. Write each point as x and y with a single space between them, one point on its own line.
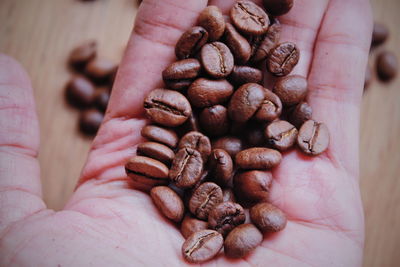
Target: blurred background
41 33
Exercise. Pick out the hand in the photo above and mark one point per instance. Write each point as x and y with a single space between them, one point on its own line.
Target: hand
107 223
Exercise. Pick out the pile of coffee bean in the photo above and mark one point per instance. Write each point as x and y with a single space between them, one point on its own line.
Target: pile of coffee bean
215 92
89 88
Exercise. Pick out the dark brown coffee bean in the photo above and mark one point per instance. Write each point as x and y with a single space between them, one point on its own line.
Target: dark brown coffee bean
283 58
221 167
167 107
380 34
387 65
202 246
228 195
267 217
101 99
238 45
147 171
82 54
197 141
254 135
262 45
260 158
156 151
242 240
181 73
168 202
186 168
217 60
252 186
205 93
278 7
301 114
192 225
213 21
226 216
178 85
204 199
161 135
245 74
281 134
246 101
100 70
230 144
313 138
271 107
190 42
291 89
90 121
214 120
80 92
249 18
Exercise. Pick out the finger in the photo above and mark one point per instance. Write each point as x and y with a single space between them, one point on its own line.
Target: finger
20 187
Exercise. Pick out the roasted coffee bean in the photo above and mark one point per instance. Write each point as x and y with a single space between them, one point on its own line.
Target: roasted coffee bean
313 138
100 70
245 74
238 45
178 85
147 171
204 199
283 58
181 73
190 42
380 34
213 21
246 101
291 89
281 134
252 186
90 121
271 107
249 18
168 202
202 246
80 92
205 93
191 225
221 167
214 120
260 158
156 151
186 168
267 217
226 216
101 99
230 144
278 7
167 107
301 113
217 60
197 141
228 195
161 135
262 45
254 136
82 54
387 65
368 77
191 124
242 240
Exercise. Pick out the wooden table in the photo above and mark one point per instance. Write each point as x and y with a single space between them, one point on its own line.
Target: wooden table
40 34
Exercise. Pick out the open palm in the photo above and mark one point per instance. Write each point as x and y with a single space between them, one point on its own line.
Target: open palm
108 223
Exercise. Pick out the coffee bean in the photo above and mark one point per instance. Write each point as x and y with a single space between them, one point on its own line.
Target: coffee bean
301 113
238 45
186 168
156 151
101 99
228 195
249 18
291 89
190 42
387 65
380 34
202 246
271 107
178 85
262 45
161 135
252 186
147 171
90 121
230 144
168 202
100 70
197 141
80 92
191 225
214 120
260 158
254 135
82 54
179 75
242 240
167 107
217 60
213 21
313 138
205 93
245 74
278 7
267 217
191 124
226 216
283 58
281 134
245 102
221 166
204 199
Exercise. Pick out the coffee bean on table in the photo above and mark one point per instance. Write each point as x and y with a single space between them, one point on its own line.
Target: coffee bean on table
238 45
226 216
249 18
281 134
90 121
291 89
197 141
230 144
278 7
380 34
271 107
213 21
221 166
217 60
387 65
228 195
245 74
179 75
167 107
190 42
242 240
80 92
283 58
156 151
204 199
186 168
205 93
260 158
301 113
147 171
214 120
101 99
168 202
267 217
262 45
313 138
100 70
252 186
82 54
191 225
202 246
161 135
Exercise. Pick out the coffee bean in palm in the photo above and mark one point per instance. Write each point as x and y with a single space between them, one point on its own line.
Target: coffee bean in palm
291 89
262 45
202 246
313 138
254 135
259 158
278 7
249 18
147 171
186 168
283 58
271 107
380 34
300 114
167 107
156 151
213 21
190 42
205 92
90 121
82 54
230 144
80 92
267 217
214 120
252 186
161 135
238 45
281 134
179 75
228 195
168 202
101 99
217 60
242 240
204 199
225 216
197 141
245 74
191 225
100 70
387 65
221 167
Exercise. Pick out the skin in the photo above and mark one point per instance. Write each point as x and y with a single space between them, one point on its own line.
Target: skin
108 223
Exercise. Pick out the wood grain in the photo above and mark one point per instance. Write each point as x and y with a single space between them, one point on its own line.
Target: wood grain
40 34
